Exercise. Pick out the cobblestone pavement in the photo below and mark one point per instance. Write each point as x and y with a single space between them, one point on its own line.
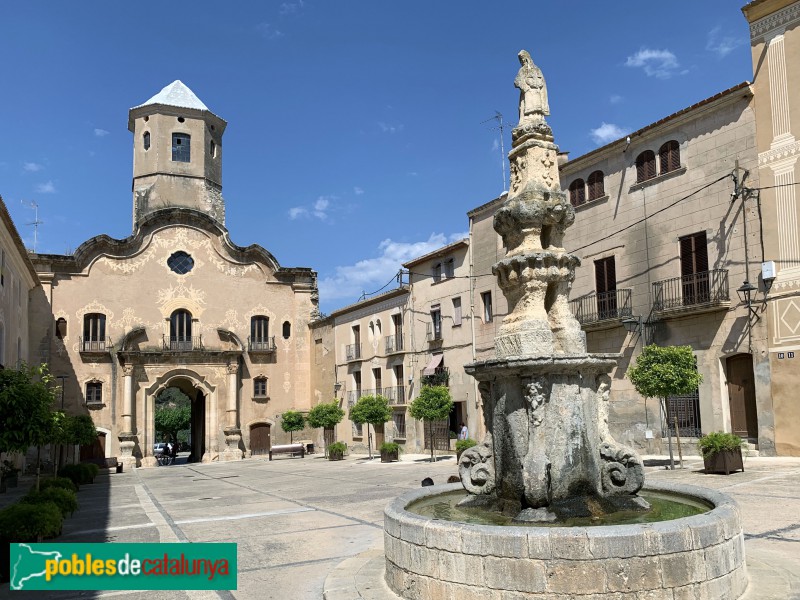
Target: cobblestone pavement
295 520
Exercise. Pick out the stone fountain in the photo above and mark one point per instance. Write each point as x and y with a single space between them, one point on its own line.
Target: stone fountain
548 455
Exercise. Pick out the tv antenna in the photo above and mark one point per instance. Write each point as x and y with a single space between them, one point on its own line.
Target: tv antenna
36 222
498 116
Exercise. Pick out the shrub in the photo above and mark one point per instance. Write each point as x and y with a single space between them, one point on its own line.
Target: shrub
390 447
57 482
65 500
462 445
92 468
337 449
23 522
79 474
712 443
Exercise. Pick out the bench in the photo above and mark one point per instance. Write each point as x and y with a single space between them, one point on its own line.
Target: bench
288 449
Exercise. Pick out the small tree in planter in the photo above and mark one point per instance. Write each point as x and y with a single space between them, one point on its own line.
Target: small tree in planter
326 415
433 404
722 452
389 452
292 421
336 451
375 411
663 371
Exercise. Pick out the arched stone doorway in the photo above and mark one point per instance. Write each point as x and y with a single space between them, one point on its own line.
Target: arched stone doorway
204 426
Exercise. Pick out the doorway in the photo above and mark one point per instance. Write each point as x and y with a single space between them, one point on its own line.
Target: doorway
198 429
260 439
742 396
95 452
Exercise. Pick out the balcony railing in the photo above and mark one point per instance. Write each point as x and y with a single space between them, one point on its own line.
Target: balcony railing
441 376
95 346
261 344
605 306
394 343
353 352
434 334
374 392
183 344
395 394
353 396
707 288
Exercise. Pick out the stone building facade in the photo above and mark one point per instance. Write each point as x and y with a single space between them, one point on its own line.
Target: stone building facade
176 304
775 44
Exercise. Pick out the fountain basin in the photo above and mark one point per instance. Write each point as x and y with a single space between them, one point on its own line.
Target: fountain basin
697 557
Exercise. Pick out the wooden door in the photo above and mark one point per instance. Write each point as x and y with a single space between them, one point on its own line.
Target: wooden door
95 452
260 439
605 276
694 268
742 396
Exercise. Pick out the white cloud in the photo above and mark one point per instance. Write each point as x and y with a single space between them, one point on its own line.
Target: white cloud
607 132
615 99
45 188
100 132
358 191
495 145
319 209
32 167
722 45
297 211
390 127
288 8
268 31
370 274
656 63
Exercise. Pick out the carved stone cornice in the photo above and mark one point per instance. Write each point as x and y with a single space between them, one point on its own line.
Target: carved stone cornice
781 18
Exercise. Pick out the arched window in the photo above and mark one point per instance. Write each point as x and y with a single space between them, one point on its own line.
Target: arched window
577 192
213 149
181 143
287 330
259 333
94 332
94 392
595 183
260 387
180 330
670 157
146 140
645 166
61 328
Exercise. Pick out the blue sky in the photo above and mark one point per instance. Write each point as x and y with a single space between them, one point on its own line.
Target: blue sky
356 137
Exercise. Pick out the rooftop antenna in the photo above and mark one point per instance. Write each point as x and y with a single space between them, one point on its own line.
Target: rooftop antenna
36 222
498 116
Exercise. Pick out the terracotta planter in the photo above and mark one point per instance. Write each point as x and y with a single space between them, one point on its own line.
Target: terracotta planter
387 457
724 462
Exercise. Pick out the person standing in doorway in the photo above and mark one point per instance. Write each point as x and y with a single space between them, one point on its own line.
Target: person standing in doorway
463 434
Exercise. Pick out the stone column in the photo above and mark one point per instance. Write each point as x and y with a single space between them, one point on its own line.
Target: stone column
127 438
233 434
149 432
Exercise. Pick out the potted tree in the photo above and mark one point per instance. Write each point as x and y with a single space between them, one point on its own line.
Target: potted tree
722 452
292 421
326 415
390 452
664 371
433 404
375 411
336 451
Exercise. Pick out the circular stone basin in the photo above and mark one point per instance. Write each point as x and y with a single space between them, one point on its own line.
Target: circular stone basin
694 557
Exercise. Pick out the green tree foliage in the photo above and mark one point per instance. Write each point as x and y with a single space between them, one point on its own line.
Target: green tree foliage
373 410
81 430
172 419
325 415
292 421
172 396
26 401
433 404
663 371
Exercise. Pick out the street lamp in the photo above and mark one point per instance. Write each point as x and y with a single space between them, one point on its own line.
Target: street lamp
62 378
632 324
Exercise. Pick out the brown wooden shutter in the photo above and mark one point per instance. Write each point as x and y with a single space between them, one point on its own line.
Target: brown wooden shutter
669 156
596 185
694 253
577 192
605 275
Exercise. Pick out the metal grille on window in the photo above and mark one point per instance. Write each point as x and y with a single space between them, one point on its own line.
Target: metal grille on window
181 143
399 421
180 262
260 387
685 412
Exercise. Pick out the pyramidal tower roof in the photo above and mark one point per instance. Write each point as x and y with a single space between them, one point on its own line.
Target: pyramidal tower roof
176 94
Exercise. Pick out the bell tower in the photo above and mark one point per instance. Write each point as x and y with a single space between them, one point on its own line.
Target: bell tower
177 154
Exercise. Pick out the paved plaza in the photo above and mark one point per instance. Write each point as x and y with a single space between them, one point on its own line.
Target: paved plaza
297 520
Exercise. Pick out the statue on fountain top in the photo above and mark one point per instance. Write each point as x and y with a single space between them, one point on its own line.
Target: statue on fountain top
533 106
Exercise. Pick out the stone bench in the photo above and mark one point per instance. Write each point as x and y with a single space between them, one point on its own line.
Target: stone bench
288 449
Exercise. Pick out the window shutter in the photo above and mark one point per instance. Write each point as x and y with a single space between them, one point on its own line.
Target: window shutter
605 275
694 254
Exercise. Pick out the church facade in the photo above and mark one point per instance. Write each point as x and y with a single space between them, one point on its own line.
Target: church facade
176 304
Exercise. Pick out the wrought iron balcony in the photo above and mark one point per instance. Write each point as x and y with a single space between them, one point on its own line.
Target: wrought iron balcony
434 334
353 352
698 292
394 343
261 345
595 309
441 376
353 396
90 346
183 344
395 394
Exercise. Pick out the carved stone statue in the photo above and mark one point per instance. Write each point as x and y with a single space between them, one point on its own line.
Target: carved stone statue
533 104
